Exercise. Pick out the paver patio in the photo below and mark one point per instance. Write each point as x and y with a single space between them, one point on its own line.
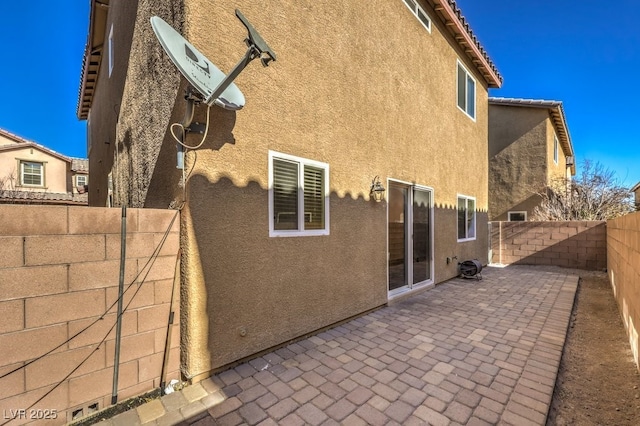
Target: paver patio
465 352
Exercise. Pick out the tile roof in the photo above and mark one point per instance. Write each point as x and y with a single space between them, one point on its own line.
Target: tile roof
79 164
33 197
464 35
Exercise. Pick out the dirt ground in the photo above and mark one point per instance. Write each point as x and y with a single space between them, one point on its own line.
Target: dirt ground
598 383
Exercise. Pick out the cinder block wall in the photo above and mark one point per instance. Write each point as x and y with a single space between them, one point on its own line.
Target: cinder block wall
623 263
570 244
59 272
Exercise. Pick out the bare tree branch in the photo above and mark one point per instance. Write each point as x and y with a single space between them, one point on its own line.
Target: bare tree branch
594 195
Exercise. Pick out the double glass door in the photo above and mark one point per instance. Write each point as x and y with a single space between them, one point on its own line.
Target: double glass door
409 231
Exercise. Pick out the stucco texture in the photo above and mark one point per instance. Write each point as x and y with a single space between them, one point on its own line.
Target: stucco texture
347 89
56 172
521 158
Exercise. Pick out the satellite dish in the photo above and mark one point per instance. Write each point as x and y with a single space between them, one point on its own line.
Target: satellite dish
196 68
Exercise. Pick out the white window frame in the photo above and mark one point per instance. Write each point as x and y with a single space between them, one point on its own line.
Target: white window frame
555 149
516 212
85 177
300 232
111 57
475 217
22 183
417 10
468 76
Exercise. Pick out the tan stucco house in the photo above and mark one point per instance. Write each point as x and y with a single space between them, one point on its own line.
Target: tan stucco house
32 173
280 234
529 147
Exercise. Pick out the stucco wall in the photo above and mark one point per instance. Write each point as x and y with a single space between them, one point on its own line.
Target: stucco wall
518 140
56 171
555 169
570 244
347 89
623 258
108 107
59 274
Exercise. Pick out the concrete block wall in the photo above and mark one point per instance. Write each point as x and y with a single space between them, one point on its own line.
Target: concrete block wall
569 244
59 273
623 266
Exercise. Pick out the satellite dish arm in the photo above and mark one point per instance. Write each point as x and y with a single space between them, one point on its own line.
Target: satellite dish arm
257 48
248 57
255 40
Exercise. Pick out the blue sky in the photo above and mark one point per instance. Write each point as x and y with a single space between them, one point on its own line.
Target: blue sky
585 53
41 46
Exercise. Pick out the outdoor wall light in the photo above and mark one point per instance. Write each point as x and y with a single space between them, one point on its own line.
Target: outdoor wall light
377 190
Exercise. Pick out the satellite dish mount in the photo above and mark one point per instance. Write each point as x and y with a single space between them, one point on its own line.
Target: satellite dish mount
208 83
256 48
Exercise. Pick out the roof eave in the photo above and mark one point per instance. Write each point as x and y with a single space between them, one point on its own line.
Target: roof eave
463 35
92 58
28 144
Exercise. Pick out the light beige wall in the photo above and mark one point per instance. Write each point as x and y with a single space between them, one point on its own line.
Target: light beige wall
518 158
6 141
56 170
348 89
555 170
59 273
623 258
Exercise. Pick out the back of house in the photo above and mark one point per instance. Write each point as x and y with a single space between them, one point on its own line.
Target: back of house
280 234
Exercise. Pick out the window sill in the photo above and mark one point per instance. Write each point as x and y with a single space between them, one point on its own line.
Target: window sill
317 233
464 240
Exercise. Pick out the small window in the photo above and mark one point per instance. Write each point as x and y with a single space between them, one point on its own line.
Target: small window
111 58
517 216
555 149
298 196
466 92
466 218
419 12
81 180
31 174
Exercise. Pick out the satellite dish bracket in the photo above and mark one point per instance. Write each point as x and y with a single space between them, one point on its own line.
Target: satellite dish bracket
256 48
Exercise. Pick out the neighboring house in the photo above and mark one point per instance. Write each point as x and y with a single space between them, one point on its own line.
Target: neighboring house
636 195
280 236
31 173
529 147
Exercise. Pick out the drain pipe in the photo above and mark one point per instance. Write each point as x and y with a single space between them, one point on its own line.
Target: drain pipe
123 251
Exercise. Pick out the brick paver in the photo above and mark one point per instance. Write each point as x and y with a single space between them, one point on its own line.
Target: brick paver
466 351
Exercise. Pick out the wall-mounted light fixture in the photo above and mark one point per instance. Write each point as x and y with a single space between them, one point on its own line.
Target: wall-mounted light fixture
570 161
377 190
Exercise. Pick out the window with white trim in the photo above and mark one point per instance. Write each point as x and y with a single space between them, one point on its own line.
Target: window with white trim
517 216
111 58
466 91
419 12
466 218
31 173
81 180
555 149
298 196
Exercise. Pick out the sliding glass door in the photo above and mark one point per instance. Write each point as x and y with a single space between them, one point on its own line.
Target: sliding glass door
409 231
